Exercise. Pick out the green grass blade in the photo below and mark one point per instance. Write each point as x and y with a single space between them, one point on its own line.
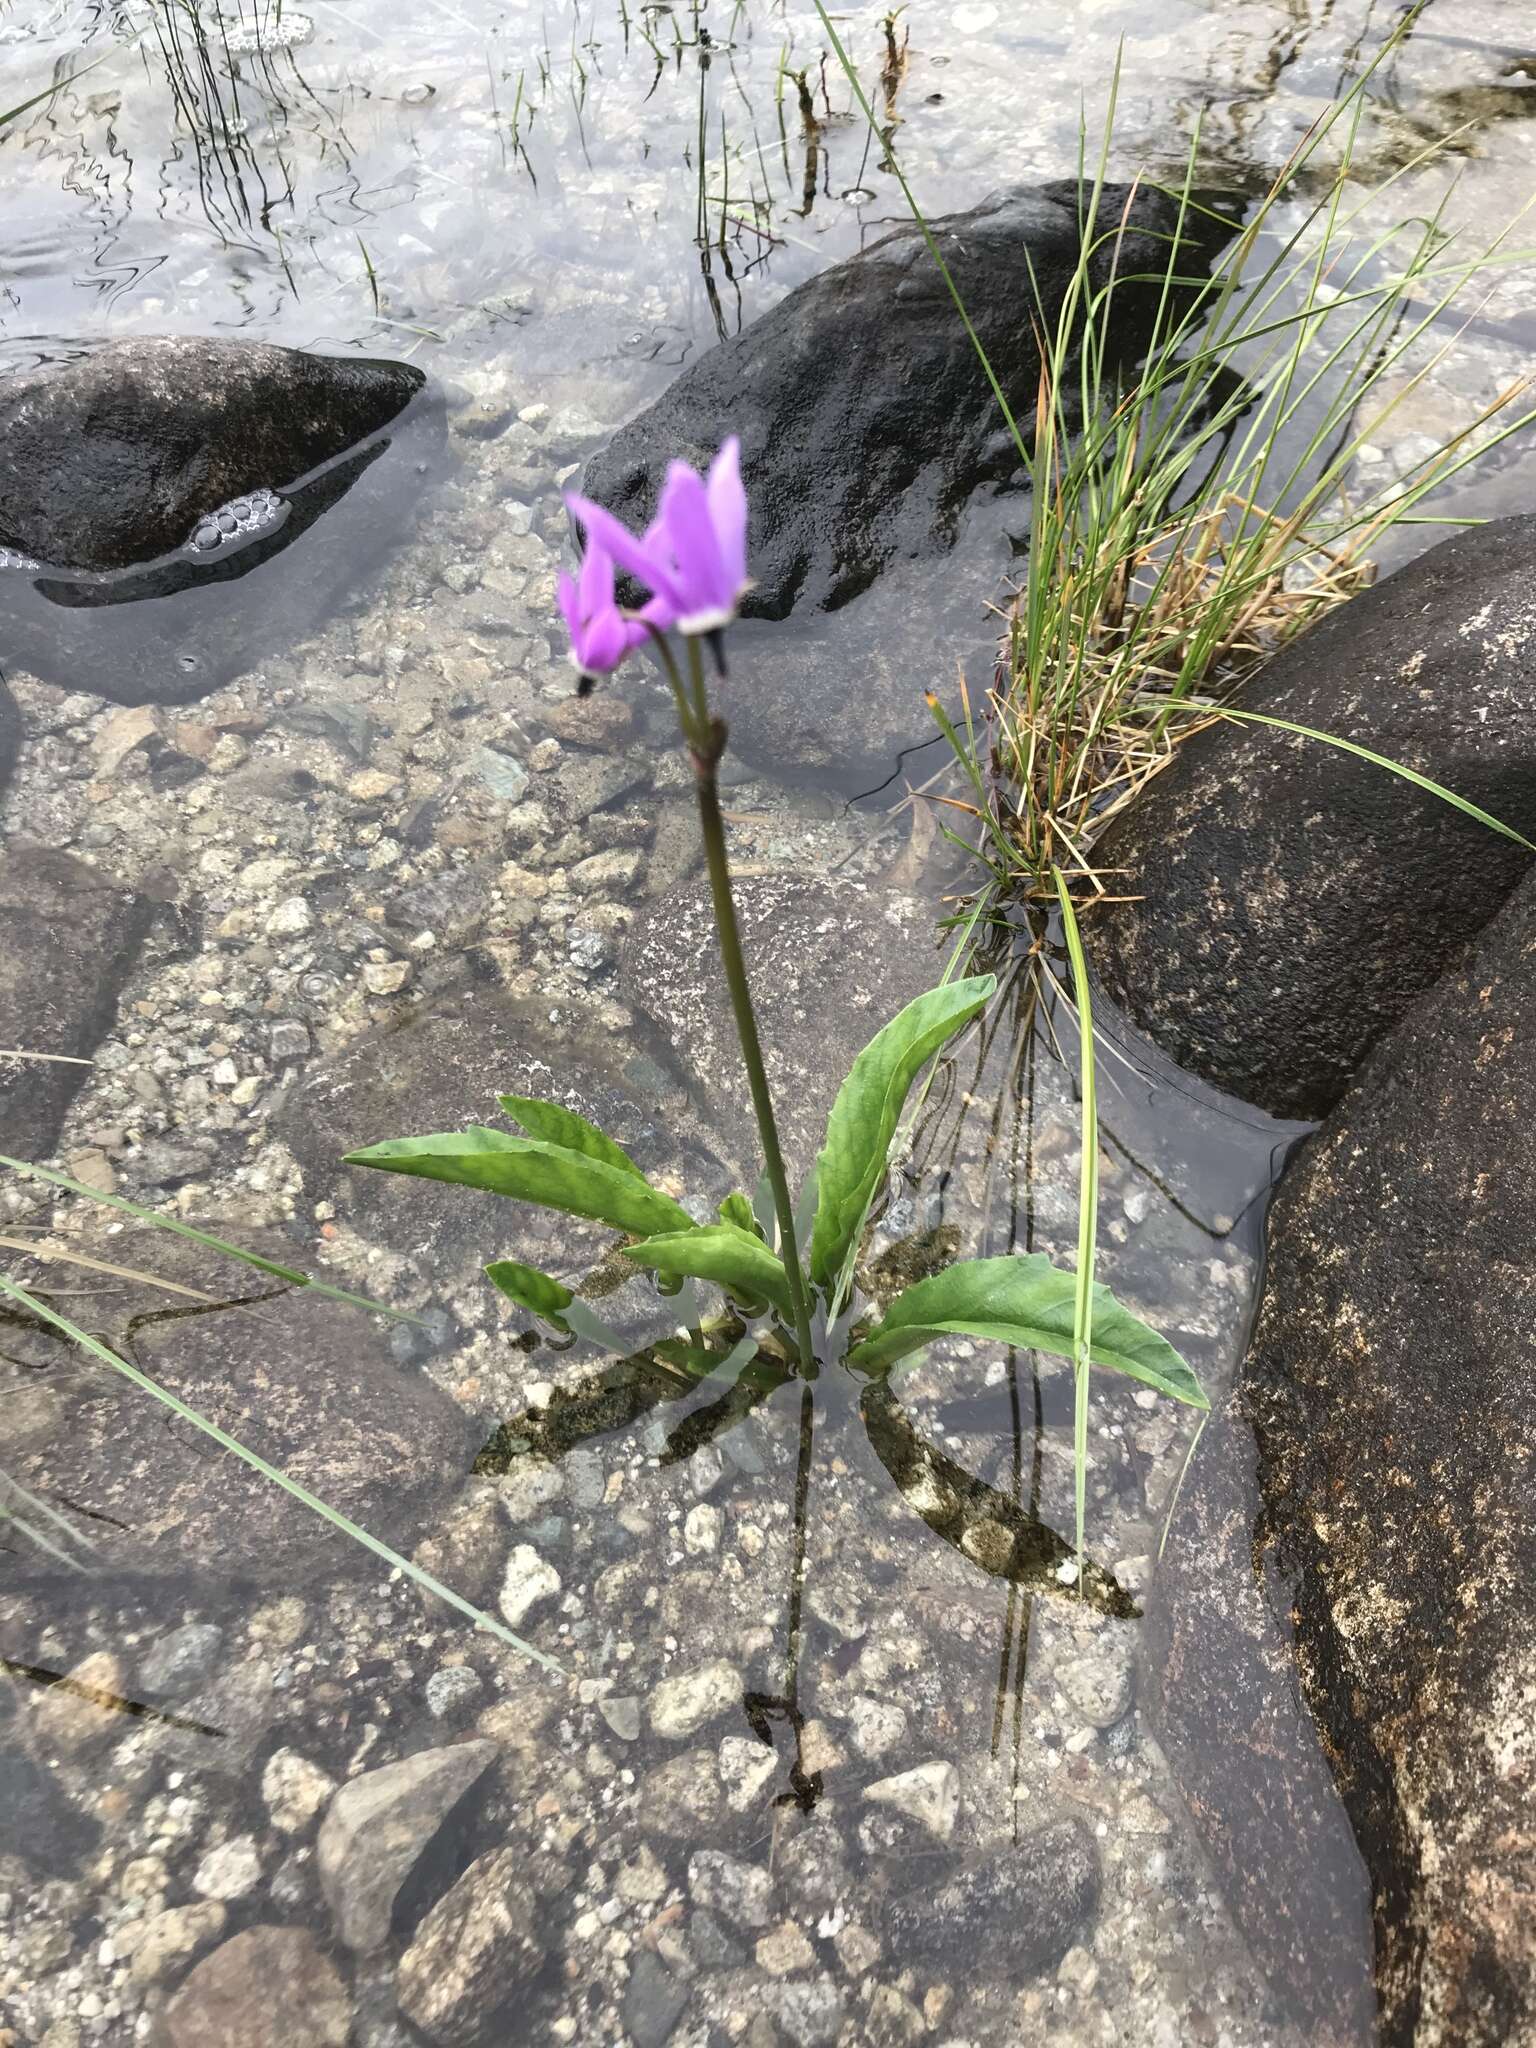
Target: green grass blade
203 1237
1087 1208
257 1463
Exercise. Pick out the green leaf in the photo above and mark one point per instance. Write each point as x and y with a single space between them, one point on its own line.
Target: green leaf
866 1112
528 1170
532 1290
737 1260
738 1210
555 1125
1028 1302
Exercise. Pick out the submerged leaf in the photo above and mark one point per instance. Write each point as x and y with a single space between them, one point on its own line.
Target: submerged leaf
532 1290
1027 1302
528 1170
868 1107
553 1124
737 1260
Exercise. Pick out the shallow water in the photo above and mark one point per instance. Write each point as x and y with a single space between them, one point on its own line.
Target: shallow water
766 1615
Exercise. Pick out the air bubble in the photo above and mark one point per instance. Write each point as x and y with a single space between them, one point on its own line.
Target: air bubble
285 32
252 513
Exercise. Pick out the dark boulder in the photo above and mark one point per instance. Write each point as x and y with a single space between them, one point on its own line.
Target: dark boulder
186 496
71 937
114 458
1288 902
306 1382
1343 1630
867 425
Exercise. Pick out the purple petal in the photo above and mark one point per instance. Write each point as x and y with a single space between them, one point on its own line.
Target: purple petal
595 583
570 603
601 527
728 512
684 511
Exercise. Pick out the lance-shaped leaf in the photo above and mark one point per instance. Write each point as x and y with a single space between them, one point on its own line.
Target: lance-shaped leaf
867 1110
553 1124
530 1171
1026 1302
736 1260
532 1290
738 1210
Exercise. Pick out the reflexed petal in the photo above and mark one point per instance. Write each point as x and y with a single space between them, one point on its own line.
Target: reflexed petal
570 603
596 582
690 531
632 555
728 513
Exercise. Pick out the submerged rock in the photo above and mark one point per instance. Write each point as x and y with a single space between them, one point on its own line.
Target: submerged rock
867 424
306 1382
71 936
1020 1908
831 964
379 1826
474 1952
269 1987
163 483
1362 1522
1283 903
119 456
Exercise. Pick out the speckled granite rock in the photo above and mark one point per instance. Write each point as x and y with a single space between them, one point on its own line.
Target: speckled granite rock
1385 1552
1290 901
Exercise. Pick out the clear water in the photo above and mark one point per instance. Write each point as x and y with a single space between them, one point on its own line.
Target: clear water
552 210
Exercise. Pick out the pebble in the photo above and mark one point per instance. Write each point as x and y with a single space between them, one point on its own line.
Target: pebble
682 1706
741 1892
747 1767
292 919
451 1690
81 1712
386 977
928 1794
785 1952
654 2002
474 1954
377 1827
622 1713
702 1528
530 1582
1099 1680
876 1726
232 1871
681 1798
165 1941
294 1789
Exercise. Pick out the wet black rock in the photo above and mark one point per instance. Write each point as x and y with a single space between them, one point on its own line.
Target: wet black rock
71 937
113 459
474 1953
443 1069
306 1382
867 425
831 964
1381 1564
1018 1909
178 491
1284 903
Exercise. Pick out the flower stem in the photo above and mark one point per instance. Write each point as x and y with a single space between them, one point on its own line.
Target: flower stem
706 742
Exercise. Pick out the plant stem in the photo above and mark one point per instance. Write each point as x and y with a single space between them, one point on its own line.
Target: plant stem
706 742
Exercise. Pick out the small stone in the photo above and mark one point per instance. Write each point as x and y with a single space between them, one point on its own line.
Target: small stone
701 1529
819 1751
386 977
377 1827
178 1663
929 1794
294 1790
165 1941
268 1988
1098 1681
682 1706
602 720
531 1486
232 1871
452 1690
83 1710
857 1949
288 1039
989 1543
1078 1971
747 1768
681 1798
123 732
369 785
742 1892
641 1881
654 2002
473 1954
622 1713
611 873
810 2014
530 1582
876 1726
894 2021
292 919
785 1952
712 1947
503 776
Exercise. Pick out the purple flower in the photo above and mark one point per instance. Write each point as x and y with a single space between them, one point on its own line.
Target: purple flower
694 553
602 635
